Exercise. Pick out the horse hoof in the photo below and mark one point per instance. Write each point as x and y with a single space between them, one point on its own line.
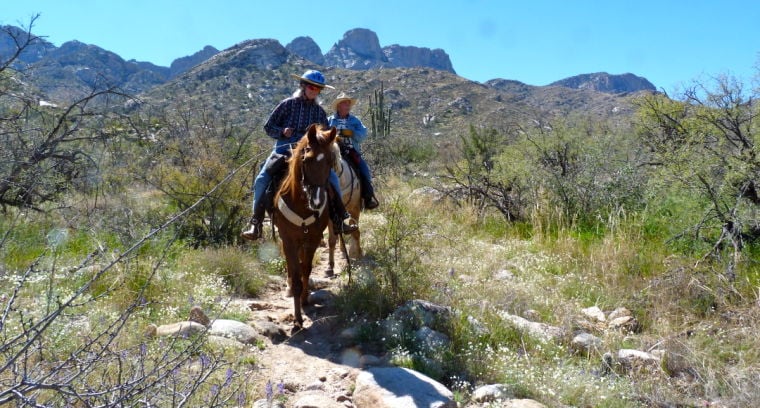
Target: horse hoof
330 273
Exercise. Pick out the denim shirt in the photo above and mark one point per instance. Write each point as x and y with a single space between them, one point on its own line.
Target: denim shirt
352 123
294 112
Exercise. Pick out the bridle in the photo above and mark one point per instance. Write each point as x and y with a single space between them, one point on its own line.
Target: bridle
316 199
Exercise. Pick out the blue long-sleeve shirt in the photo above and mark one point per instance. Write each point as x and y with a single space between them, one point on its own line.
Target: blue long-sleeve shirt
353 123
294 112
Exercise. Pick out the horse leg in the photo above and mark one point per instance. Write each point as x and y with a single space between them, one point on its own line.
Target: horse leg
305 273
331 240
356 247
297 290
307 262
294 278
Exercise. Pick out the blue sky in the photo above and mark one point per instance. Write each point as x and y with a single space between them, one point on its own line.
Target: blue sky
671 43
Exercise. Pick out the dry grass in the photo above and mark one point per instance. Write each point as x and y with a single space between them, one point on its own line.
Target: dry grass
701 324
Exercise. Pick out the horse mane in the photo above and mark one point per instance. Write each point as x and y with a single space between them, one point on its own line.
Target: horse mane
290 183
336 157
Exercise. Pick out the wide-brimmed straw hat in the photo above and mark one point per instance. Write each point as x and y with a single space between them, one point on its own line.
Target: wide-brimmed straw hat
313 77
343 97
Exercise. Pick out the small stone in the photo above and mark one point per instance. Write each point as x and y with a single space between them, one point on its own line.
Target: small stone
151 330
321 297
594 312
619 312
624 322
586 343
259 306
197 315
492 392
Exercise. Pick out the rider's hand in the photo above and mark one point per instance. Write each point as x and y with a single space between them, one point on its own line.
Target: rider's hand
287 132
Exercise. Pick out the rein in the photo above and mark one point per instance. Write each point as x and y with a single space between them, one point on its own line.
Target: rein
344 166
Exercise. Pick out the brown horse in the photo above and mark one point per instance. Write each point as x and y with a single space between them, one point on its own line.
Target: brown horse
350 187
301 209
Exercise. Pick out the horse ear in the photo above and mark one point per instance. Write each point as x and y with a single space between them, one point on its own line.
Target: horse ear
331 135
311 132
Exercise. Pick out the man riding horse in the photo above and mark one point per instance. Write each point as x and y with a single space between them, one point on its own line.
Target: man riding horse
287 124
352 132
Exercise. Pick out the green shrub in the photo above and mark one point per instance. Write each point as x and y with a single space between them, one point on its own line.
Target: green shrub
241 272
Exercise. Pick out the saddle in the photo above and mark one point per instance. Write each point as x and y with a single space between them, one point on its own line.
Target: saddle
277 167
348 152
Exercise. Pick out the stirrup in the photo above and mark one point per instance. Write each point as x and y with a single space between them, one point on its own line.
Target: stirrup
370 203
345 227
253 232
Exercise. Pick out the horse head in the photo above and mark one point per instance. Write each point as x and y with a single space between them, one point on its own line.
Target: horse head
316 159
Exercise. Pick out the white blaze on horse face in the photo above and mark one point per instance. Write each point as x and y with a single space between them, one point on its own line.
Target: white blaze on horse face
320 156
318 200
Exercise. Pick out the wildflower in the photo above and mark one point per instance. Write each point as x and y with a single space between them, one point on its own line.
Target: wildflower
228 379
268 390
281 388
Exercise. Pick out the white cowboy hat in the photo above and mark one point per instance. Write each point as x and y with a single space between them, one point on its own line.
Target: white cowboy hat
342 97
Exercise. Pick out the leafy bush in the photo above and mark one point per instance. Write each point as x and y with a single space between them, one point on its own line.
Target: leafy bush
706 144
201 163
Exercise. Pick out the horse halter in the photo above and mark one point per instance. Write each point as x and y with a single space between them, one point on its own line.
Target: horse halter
316 194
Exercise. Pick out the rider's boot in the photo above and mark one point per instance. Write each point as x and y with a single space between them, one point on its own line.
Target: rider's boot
339 216
254 230
368 194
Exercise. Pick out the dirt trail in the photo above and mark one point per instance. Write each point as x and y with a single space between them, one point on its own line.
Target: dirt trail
313 363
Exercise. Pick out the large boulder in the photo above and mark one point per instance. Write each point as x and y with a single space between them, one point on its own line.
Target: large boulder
396 387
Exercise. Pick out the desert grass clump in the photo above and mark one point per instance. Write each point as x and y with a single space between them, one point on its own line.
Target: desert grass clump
242 273
396 246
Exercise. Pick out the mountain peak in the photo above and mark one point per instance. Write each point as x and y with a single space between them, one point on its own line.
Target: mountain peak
360 49
307 48
607 83
183 64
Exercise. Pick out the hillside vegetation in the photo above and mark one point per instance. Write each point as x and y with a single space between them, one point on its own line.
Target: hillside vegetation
500 201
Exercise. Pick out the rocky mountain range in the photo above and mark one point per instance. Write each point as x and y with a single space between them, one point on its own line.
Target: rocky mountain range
71 70
243 82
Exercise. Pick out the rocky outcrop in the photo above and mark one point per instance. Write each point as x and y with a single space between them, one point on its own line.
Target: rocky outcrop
184 64
360 49
264 54
408 56
11 36
307 48
604 82
75 68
